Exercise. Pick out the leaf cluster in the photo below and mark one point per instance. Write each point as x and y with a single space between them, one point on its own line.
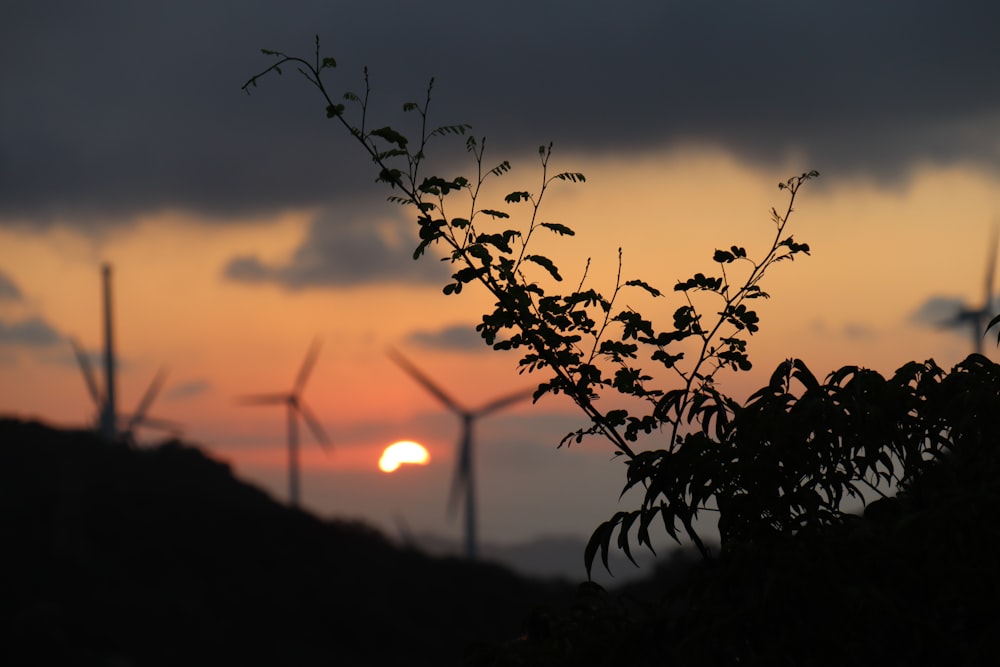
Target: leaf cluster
904 583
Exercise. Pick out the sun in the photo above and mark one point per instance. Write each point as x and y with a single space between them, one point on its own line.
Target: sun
404 451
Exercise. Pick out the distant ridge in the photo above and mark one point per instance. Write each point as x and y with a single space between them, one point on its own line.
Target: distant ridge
161 556
555 558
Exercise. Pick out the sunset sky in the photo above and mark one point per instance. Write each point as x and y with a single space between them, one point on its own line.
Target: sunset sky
242 227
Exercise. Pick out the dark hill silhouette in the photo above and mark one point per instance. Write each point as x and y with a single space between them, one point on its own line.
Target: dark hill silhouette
160 556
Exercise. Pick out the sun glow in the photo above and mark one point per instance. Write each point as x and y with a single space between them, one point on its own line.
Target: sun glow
402 452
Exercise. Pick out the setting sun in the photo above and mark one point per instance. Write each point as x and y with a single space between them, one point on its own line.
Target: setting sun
402 452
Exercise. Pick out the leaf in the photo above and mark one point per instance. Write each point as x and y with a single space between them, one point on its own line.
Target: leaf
741 318
501 168
498 241
393 177
723 257
643 534
561 230
668 360
545 263
754 292
993 323
618 350
575 177
469 273
328 63
390 135
671 401
793 247
623 531
699 281
450 129
494 214
480 253
435 185
633 324
645 286
515 197
600 539
685 317
629 381
616 417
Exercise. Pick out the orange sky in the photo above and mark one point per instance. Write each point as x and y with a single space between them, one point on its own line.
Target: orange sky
878 253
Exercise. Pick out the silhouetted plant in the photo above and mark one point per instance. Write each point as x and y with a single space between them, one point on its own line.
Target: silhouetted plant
586 342
905 582
782 463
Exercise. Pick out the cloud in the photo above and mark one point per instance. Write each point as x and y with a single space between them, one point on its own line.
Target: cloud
456 337
31 332
137 108
859 331
189 389
9 290
938 311
343 252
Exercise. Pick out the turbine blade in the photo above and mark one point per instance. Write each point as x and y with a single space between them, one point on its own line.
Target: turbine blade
422 379
504 401
88 372
313 424
307 366
264 399
133 423
148 397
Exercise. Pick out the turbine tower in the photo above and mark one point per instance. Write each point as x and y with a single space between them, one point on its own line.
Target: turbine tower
109 410
296 407
977 317
110 424
464 479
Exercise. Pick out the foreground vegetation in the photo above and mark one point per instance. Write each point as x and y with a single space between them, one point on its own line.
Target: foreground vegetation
798 579
912 581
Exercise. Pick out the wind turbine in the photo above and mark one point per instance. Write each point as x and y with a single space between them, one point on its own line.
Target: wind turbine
296 407
464 479
124 425
976 318
109 422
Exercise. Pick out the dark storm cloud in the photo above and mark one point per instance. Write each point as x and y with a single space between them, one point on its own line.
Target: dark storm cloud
343 252
122 108
9 291
31 332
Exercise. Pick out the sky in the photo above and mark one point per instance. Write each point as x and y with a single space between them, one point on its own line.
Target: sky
242 227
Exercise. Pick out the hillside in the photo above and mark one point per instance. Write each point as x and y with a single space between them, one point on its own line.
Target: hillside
117 556
161 557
